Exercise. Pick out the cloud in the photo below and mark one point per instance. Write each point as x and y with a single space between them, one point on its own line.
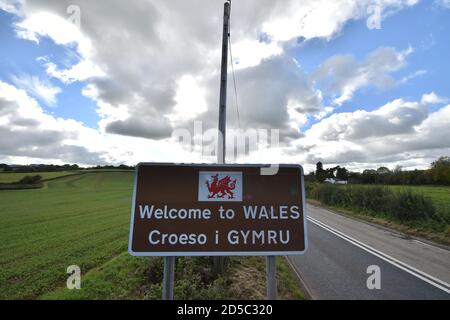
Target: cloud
275 94
27 131
433 98
342 75
135 54
43 90
145 127
398 131
140 61
84 70
413 75
396 117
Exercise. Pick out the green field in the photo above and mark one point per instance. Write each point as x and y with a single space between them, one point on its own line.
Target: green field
84 220
439 194
422 211
81 220
8 177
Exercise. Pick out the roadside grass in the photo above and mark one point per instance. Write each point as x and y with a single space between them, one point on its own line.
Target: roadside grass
84 220
404 208
127 277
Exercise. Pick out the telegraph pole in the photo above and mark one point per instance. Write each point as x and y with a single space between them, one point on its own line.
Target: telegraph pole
223 84
218 262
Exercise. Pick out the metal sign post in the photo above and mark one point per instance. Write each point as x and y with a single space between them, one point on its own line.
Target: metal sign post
168 278
271 278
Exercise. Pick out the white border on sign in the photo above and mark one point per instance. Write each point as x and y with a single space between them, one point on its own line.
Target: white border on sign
216 253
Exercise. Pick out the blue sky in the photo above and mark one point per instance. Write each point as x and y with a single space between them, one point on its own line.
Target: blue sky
158 75
20 57
425 27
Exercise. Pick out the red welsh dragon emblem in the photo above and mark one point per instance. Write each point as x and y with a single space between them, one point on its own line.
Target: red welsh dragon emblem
219 188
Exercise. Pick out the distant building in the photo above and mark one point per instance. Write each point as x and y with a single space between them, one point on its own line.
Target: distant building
335 181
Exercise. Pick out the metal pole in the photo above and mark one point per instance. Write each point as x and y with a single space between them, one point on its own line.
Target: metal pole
218 262
223 85
168 278
271 278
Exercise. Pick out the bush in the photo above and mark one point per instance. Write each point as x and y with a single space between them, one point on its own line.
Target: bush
403 206
410 206
30 180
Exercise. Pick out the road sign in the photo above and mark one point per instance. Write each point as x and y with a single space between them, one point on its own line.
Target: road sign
182 210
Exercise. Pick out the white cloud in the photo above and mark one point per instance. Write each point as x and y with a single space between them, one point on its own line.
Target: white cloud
27 131
144 49
433 98
152 67
342 75
60 30
83 70
412 76
29 135
250 53
398 132
38 88
190 100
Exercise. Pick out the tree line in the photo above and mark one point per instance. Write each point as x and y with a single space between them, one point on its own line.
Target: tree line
437 174
53 167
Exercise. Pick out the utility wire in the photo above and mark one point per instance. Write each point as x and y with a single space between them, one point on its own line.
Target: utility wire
234 81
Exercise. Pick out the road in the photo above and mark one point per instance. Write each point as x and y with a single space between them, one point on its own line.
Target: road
341 249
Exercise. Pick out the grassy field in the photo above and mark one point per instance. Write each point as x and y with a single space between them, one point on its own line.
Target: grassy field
80 220
84 220
422 211
439 194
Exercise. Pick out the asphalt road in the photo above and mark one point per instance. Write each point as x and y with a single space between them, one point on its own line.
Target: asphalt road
341 250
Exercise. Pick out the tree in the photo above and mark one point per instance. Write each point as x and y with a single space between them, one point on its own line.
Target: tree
329 173
320 173
5 167
342 173
383 170
369 176
440 171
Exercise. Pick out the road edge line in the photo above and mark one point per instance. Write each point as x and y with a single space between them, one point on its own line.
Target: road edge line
300 279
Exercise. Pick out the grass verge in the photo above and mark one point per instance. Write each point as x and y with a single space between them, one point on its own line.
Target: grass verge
410 230
127 277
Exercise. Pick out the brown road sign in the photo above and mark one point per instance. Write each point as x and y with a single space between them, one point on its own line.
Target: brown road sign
182 210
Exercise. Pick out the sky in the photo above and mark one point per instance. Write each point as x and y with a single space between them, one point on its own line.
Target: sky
360 84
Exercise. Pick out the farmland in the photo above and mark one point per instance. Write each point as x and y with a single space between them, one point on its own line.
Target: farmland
417 210
439 194
83 220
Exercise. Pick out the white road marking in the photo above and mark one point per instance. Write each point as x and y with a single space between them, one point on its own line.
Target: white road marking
429 245
444 286
300 278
